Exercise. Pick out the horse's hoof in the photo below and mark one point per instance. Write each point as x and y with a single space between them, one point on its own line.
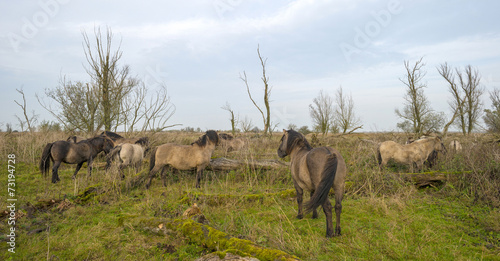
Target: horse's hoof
300 216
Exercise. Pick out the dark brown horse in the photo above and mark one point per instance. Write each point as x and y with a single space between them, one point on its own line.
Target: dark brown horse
72 153
315 170
183 157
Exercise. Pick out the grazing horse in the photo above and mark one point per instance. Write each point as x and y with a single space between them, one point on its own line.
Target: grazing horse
414 154
315 170
229 143
128 154
183 157
72 153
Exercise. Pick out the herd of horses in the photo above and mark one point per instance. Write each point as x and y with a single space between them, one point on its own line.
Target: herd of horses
314 170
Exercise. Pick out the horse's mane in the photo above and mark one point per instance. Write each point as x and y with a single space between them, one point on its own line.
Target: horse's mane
209 135
111 135
225 136
142 141
297 139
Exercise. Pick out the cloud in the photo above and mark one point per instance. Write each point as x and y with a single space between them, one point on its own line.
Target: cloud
458 50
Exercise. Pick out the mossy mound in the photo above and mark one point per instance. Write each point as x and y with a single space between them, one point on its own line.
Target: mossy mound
219 241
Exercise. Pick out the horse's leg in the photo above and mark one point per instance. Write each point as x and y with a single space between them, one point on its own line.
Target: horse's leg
89 166
199 172
300 194
78 166
164 176
315 211
152 173
327 209
55 168
339 194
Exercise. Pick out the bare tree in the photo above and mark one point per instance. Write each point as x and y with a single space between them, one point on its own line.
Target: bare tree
267 94
246 124
466 97
322 112
111 98
470 82
233 120
418 117
153 113
76 105
28 120
456 103
113 81
345 118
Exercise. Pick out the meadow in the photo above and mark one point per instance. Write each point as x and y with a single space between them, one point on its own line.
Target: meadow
251 211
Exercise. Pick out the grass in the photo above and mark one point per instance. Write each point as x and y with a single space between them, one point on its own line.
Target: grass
383 218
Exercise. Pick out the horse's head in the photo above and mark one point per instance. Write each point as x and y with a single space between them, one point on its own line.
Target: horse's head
212 136
289 141
439 146
209 136
107 144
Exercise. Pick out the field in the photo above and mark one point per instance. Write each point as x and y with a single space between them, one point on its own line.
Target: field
249 211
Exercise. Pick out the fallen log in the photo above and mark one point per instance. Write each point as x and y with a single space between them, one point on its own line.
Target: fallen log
425 179
231 164
217 240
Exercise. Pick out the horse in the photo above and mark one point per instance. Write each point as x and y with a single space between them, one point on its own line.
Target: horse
118 139
315 170
229 143
183 157
128 154
72 153
414 154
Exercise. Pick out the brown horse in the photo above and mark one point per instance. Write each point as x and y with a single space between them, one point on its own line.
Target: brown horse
415 154
128 154
72 153
315 170
183 157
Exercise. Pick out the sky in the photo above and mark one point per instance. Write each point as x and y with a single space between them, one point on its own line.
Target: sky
199 49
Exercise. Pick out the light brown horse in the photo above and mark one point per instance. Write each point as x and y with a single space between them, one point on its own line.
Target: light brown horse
315 170
128 154
229 143
72 153
183 157
415 154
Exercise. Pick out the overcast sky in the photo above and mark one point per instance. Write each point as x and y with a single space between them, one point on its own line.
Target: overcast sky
199 48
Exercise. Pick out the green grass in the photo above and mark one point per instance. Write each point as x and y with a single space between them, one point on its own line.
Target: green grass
418 226
383 218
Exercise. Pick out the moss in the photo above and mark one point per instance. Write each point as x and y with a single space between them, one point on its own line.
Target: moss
214 239
88 194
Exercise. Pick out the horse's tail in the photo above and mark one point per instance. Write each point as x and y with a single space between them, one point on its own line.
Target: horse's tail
45 159
327 178
152 160
111 155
